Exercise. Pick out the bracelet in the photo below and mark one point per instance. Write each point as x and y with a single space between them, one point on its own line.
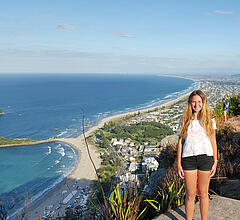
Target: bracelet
215 160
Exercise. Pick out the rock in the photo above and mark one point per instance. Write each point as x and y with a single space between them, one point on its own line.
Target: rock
169 141
230 189
155 179
220 208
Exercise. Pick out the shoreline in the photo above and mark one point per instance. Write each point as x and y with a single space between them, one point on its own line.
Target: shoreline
78 176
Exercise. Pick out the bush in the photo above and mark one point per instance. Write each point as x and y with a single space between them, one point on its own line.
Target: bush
234 105
169 198
125 203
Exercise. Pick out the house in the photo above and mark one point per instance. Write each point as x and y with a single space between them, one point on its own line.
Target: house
128 140
132 144
140 148
132 160
114 140
149 163
118 147
117 143
151 154
128 177
133 167
151 148
133 151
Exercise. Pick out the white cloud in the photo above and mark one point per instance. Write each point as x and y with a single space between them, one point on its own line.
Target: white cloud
223 12
56 60
123 34
66 27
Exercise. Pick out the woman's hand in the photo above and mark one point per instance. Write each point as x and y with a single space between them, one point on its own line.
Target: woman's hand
180 172
213 170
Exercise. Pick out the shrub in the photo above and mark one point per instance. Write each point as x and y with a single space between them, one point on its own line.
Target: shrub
169 198
124 203
234 105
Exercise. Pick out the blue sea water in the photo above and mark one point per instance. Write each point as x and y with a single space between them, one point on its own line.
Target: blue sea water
41 106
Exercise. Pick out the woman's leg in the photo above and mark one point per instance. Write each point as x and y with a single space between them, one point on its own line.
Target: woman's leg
203 185
190 177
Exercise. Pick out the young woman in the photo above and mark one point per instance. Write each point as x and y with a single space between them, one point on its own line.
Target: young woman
197 152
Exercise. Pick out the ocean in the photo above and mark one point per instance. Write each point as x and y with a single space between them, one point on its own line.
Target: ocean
41 106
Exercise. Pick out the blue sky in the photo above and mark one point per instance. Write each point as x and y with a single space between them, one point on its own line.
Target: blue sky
125 36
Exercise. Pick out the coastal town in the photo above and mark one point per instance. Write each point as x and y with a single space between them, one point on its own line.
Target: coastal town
170 114
142 159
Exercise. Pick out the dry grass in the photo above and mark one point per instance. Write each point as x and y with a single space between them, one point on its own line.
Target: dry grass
228 155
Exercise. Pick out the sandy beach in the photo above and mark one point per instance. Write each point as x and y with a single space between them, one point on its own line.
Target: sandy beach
83 174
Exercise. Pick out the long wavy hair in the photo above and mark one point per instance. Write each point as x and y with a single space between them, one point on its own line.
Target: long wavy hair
205 115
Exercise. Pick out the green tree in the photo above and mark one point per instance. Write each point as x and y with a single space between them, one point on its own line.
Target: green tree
108 126
105 142
234 105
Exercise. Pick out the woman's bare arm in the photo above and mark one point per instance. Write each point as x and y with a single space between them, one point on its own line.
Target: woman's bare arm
215 156
179 157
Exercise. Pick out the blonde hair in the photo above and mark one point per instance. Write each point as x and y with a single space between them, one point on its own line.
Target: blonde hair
205 115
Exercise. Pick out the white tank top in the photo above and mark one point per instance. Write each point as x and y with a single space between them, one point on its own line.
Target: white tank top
197 142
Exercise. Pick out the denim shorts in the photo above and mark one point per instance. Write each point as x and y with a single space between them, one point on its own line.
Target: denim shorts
199 162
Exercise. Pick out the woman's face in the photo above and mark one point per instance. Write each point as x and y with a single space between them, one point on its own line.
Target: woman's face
196 103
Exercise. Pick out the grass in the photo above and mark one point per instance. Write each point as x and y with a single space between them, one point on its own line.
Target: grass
6 141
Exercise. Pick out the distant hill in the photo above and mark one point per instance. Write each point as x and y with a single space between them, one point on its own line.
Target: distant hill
2 112
236 75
